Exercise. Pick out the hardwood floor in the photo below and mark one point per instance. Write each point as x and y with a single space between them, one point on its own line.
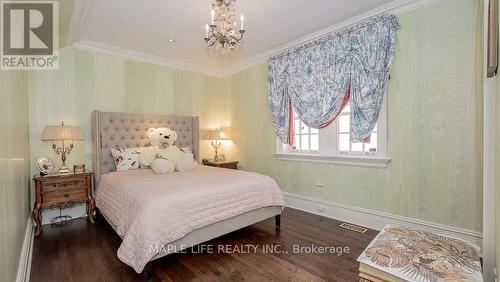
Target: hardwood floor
81 251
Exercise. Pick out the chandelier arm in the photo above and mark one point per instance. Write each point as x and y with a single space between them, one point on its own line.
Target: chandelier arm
211 43
215 29
234 38
239 38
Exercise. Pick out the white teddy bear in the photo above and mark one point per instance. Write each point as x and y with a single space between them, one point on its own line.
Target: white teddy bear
163 156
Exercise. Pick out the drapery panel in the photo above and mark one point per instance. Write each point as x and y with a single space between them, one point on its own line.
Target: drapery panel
318 78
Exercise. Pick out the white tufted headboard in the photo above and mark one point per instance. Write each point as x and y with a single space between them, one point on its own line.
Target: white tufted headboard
128 130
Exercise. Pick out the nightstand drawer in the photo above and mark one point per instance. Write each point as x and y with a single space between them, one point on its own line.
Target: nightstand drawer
59 196
71 184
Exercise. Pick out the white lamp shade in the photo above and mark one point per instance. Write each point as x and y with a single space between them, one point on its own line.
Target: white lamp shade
61 132
216 134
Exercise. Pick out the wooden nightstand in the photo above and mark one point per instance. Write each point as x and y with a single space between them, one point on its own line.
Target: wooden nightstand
223 164
62 191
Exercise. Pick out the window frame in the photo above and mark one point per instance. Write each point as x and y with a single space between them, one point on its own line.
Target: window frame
328 151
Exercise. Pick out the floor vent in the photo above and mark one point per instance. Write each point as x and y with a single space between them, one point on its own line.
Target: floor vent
352 227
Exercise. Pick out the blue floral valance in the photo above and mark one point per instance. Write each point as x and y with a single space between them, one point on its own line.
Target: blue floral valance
318 78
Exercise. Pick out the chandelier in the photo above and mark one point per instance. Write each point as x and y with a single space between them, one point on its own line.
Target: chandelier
221 32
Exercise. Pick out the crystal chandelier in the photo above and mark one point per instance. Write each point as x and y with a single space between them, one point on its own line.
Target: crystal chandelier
221 32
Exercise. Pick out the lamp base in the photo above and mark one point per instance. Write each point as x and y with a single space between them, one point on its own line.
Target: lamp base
216 158
64 170
216 154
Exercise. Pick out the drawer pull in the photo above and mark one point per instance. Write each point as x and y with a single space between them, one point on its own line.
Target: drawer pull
66 195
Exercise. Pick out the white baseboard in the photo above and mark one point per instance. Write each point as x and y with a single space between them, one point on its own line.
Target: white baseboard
24 269
374 219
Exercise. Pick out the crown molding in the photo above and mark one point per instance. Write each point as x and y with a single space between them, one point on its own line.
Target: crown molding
82 6
143 57
78 19
397 7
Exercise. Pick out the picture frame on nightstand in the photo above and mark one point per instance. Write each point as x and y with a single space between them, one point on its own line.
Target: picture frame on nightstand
46 166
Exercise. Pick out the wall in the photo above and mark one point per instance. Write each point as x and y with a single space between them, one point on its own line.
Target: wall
195 95
435 121
88 81
490 173
497 169
14 171
497 174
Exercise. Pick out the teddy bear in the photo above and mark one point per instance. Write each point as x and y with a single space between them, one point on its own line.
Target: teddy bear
163 156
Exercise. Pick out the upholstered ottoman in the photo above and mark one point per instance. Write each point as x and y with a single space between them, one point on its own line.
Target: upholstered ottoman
405 254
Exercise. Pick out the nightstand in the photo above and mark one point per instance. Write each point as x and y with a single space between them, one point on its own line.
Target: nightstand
223 164
62 191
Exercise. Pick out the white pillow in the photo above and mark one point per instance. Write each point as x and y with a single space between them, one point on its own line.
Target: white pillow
161 165
185 162
126 159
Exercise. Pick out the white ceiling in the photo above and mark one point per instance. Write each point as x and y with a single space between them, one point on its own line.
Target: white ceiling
145 26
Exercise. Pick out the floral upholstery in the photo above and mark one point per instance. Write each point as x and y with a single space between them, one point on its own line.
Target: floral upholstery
416 255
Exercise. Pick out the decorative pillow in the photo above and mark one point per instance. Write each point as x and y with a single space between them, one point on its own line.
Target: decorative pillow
185 162
162 165
126 159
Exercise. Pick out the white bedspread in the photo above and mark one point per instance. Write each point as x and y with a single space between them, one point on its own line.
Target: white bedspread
154 209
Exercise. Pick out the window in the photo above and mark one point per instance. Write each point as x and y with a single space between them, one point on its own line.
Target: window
332 144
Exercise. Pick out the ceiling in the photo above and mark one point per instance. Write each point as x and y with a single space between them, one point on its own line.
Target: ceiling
146 26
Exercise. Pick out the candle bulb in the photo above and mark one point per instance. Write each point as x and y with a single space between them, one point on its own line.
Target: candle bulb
212 16
242 18
206 31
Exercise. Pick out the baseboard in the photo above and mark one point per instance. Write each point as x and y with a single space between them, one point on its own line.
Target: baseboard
374 219
24 269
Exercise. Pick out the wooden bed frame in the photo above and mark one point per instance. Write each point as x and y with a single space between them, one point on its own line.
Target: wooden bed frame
128 130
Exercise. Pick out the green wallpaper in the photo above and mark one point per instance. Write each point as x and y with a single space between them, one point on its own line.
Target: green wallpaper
14 173
497 180
434 108
497 167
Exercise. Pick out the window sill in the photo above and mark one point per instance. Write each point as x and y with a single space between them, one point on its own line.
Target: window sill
360 161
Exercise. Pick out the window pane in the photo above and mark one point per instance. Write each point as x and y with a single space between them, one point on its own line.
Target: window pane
357 147
304 142
375 128
303 128
344 123
314 142
296 141
314 131
373 144
344 142
296 126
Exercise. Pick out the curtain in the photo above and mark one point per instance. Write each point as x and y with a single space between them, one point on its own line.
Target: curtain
317 79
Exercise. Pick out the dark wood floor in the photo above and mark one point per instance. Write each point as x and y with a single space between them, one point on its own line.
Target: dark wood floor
81 251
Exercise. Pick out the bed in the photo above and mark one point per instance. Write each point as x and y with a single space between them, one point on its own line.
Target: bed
156 215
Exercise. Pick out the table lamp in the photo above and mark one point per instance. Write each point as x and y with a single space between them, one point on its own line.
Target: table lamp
62 133
216 136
